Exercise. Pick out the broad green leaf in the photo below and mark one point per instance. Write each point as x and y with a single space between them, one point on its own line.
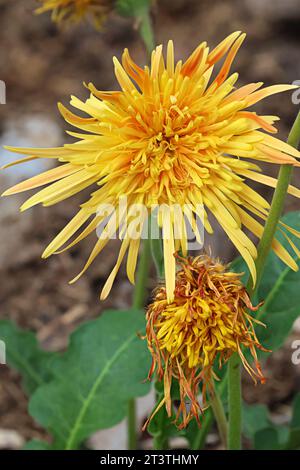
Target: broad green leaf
295 423
255 418
35 444
294 435
161 425
283 434
24 355
279 289
267 439
105 365
131 7
258 427
293 439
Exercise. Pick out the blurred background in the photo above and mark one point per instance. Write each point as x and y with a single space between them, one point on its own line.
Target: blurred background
42 65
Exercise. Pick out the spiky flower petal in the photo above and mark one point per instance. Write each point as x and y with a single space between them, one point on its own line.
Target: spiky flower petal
204 325
171 135
74 11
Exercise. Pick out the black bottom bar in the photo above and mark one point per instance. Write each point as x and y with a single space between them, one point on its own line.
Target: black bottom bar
137 459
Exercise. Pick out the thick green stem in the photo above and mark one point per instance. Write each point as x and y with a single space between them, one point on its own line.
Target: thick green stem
234 403
264 247
131 425
140 290
139 297
158 257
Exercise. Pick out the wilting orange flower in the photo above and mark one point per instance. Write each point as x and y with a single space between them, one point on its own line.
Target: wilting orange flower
171 135
205 324
74 11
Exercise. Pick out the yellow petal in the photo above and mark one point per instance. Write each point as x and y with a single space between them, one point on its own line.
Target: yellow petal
170 58
91 227
237 238
61 189
47 177
257 229
122 77
133 252
280 145
222 75
219 51
17 162
54 152
169 250
108 285
268 91
267 180
80 218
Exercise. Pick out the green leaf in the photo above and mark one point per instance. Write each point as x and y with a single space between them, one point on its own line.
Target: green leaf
294 435
105 365
161 426
267 439
293 439
255 418
132 7
259 428
279 289
295 423
239 266
35 444
24 355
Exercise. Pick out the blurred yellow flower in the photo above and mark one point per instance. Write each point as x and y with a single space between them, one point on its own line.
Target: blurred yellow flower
171 135
205 324
74 11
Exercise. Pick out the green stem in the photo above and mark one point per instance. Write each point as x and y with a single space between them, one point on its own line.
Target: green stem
220 416
139 294
158 257
234 403
139 297
264 247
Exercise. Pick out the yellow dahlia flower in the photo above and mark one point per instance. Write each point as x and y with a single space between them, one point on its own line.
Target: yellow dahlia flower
74 11
171 135
206 323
